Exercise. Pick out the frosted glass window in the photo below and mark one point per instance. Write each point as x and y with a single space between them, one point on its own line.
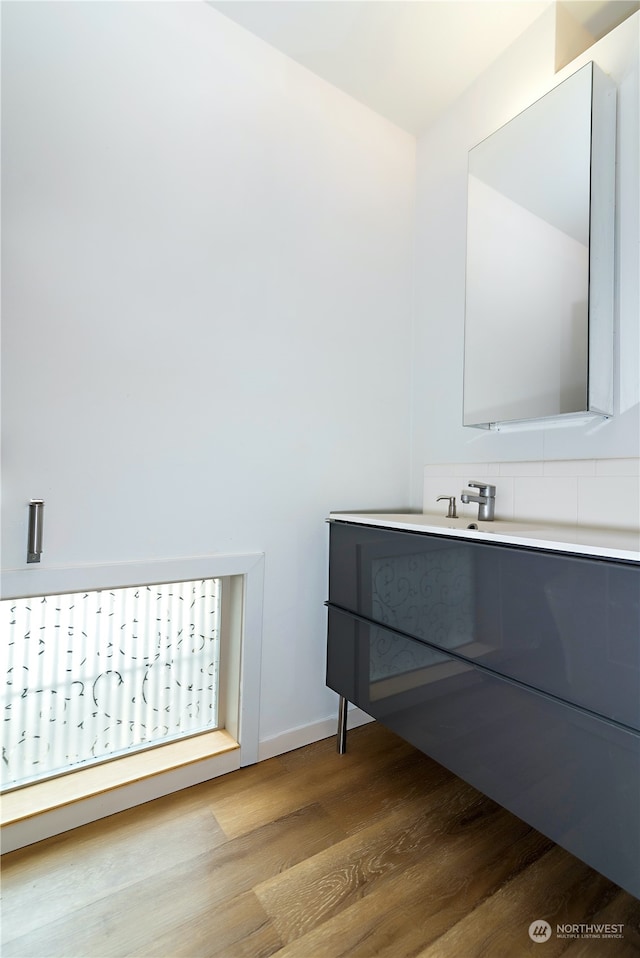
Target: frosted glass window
93 675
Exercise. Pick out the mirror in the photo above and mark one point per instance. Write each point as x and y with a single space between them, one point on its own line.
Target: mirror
539 279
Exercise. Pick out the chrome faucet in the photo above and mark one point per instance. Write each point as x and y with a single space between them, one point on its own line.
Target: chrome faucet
486 499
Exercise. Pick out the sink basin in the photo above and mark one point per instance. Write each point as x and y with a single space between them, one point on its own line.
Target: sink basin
584 540
499 526
427 521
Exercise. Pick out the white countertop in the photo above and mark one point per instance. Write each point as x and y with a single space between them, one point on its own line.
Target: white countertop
581 540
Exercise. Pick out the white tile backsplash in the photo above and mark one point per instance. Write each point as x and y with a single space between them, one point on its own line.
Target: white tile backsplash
610 501
546 499
617 467
570 467
521 468
476 470
505 487
595 492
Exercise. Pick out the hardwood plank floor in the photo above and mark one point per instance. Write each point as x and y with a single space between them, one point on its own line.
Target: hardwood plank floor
379 852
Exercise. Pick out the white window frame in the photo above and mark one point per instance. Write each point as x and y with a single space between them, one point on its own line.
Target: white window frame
242 616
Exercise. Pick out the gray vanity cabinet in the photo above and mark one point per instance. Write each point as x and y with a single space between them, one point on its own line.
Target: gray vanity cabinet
517 668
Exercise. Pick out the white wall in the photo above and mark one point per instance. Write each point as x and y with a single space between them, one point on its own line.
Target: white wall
523 74
207 298
206 307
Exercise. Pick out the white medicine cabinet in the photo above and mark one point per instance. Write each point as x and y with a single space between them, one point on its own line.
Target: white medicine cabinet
540 260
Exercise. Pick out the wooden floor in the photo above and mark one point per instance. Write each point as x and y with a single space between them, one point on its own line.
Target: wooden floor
310 855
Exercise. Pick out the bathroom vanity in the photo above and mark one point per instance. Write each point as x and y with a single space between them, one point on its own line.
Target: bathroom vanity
510 655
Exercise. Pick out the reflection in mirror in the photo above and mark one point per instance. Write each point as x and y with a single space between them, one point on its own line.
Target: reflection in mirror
539 284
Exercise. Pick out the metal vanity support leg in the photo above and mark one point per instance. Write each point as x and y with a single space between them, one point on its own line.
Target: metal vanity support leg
342 725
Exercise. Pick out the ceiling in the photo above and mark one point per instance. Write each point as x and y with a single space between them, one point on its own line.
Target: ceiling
406 59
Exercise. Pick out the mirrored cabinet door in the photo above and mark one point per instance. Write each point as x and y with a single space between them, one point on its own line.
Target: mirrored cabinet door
539 278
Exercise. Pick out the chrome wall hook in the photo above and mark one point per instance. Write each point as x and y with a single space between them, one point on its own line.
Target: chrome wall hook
34 541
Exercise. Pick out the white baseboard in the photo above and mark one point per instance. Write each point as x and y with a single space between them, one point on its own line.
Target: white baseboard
306 734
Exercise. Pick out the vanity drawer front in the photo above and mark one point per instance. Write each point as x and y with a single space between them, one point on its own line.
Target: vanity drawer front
560 623
571 775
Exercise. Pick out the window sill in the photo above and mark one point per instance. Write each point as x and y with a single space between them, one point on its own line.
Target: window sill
99 780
